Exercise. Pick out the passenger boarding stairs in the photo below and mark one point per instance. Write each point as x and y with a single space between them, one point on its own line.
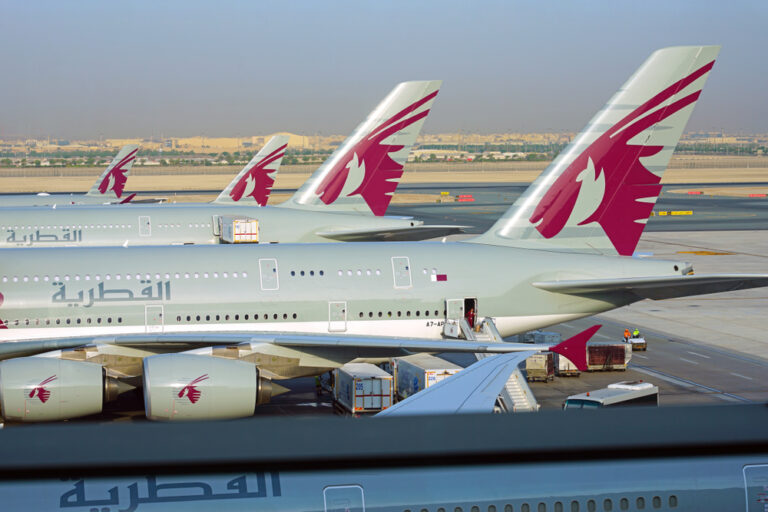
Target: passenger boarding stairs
516 395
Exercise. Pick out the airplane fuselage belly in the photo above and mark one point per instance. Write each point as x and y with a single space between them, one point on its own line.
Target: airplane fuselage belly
116 225
387 289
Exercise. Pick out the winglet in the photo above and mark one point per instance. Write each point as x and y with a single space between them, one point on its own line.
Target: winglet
128 199
575 347
254 183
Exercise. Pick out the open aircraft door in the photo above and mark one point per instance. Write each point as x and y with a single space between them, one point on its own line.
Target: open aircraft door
454 312
153 318
344 498
337 316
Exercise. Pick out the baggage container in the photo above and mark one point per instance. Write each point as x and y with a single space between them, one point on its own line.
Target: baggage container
638 344
564 367
361 388
608 356
238 230
420 371
540 367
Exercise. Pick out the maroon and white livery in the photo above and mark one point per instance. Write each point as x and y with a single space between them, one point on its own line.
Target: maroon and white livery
363 173
111 184
254 183
599 193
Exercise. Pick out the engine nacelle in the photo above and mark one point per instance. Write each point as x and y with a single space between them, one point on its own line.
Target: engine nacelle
197 387
47 389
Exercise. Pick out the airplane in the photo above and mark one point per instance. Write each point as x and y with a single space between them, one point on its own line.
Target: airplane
108 188
247 315
344 200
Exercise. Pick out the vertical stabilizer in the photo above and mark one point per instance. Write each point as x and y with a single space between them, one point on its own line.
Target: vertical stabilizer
363 173
598 194
253 184
111 183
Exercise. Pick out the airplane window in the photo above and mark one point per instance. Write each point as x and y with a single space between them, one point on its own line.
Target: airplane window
110 226
311 272
237 317
508 508
424 510
322 273
234 275
380 314
26 321
370 314
426 312
197 275
207 318
35 279
407 313
245 317
97 277
491 508
349 272
117 277
186 275
87 320
359 272
205 275
98 320
558 507
441 509
294 316
542 507
475 508
457 509
673 501
399 313
107 277
138 277
340 273
224 275
16 279
226 317
640 503
574 506
285 316
178 318
624 504
109 320
361 314
266 316
177 275
607 505
591 506
424 271
190 225
215 275
301 273
656 502
525 508
244 274
418 313
368 272
45 278
293 272
5 279
274 317
26 278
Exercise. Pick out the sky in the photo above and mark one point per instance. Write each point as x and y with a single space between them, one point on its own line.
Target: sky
90 69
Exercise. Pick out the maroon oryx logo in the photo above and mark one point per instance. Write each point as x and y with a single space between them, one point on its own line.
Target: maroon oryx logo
116 177
40 392
191 391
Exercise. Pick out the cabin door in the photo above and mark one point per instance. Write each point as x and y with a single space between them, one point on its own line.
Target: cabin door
268 274
454 312
344 498
153 317
401 268
145 225
337 316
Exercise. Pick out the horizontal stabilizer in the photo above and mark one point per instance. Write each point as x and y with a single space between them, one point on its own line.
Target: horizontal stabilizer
472 390
392 234
658 287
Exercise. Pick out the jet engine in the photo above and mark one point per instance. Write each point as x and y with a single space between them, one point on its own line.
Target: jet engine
197 387
47 389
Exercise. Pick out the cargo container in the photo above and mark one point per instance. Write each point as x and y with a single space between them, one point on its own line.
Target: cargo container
564 367
361 388
540 367
238 230
626 393
420 371
608 356
638 344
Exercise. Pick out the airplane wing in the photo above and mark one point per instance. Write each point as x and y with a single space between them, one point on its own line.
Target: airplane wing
392 234
206 340
665 287
472 390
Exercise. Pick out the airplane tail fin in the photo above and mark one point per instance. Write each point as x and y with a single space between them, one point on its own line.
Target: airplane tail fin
111 183
598 194
364 171
253 184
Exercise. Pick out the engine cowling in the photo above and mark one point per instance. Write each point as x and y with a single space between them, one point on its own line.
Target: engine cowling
196 387
46 389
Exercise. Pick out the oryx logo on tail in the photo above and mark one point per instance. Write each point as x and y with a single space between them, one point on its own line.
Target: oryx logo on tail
613 163
258 179
367 169
190 391
40 392
116 176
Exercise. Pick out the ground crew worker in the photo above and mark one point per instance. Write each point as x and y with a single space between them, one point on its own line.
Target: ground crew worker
626 335
636 333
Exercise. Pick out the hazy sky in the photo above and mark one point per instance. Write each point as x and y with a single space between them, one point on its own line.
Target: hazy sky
227 68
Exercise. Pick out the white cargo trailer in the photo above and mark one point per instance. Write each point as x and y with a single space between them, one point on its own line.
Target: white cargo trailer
361 388
420 371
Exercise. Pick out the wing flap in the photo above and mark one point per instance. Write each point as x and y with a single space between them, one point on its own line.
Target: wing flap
658 287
